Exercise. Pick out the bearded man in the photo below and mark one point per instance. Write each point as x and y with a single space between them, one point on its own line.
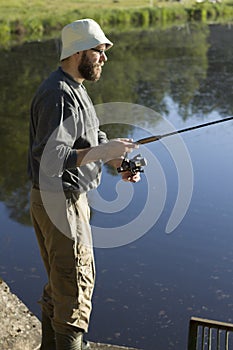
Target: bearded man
66 151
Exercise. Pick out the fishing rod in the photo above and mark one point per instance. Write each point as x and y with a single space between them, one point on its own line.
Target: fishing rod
135 164
159 137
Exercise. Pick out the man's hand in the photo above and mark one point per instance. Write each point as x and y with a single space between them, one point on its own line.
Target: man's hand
128 176
117 148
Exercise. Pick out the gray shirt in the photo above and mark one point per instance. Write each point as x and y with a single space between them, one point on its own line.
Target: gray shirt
63 119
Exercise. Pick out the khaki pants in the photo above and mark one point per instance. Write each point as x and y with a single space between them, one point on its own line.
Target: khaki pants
69 265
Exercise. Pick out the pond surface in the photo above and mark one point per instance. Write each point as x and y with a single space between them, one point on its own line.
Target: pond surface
146 290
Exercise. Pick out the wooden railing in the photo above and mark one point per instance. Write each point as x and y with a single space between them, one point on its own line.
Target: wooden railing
210 335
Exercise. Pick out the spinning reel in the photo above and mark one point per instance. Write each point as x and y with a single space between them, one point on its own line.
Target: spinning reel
133 165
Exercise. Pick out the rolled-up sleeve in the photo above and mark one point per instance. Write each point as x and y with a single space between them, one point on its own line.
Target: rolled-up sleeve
102 137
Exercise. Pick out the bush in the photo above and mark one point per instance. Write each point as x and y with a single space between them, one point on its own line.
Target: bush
34 27
5 34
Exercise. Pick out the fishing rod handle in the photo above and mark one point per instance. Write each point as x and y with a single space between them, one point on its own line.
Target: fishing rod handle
148 139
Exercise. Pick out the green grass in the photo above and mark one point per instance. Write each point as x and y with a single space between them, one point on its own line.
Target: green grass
20 9
13 10
35 18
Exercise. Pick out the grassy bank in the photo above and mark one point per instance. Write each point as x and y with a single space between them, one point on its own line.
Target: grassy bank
38 17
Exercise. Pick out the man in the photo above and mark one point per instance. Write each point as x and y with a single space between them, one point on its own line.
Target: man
65 155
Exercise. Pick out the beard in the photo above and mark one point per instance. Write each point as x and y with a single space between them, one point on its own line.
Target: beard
88 70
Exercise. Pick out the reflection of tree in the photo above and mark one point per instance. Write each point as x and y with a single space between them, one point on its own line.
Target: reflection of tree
143 68
22 69
215 92
18 204
175 67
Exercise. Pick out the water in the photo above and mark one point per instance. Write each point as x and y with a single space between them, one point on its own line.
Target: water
147 290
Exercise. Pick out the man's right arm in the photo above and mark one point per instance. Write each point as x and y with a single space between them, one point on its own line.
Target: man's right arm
115 148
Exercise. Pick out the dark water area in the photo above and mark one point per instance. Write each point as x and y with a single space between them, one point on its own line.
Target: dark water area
147 288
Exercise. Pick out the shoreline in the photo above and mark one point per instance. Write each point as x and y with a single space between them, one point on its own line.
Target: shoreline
21 330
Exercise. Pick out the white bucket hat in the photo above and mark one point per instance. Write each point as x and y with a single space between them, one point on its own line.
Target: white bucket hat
82 35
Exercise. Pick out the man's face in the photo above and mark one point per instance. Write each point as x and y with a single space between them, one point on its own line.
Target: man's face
91 63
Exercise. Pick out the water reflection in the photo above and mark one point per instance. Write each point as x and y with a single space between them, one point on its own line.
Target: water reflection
145 291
